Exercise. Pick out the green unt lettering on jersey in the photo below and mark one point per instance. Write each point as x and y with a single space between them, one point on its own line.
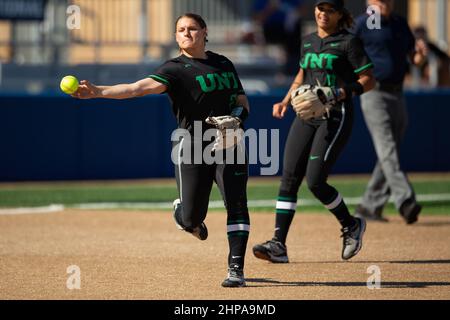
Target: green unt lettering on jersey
207 87
318 61
216 81
233 100
331 80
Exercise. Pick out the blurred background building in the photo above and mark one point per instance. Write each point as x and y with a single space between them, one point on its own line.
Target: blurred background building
124 40
46 135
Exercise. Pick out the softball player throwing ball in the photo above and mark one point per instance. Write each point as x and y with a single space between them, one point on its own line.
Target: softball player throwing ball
333 68
203 88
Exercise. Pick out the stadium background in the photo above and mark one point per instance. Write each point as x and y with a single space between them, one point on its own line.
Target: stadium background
69 158
122 41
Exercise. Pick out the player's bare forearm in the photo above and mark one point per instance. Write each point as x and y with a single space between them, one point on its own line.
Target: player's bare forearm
87 90
131 90
118 91
242 100
295 84
367 80
280 108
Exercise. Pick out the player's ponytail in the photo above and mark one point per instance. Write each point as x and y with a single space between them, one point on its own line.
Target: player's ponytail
347 20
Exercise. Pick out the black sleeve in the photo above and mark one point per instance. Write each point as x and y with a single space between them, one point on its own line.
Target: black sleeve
357 56
166 74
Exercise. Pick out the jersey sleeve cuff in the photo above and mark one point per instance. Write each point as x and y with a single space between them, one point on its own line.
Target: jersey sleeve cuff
160 79
367 66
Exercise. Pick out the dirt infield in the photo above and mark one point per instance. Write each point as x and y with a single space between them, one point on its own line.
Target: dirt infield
141 255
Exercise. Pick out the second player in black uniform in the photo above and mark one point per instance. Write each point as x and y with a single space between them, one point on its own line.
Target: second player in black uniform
201 85
333 58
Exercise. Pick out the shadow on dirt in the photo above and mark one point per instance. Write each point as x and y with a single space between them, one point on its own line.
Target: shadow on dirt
388 284
432 224
439 261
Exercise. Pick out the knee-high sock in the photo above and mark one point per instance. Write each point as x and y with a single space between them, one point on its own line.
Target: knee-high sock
238 228
285 211
338 207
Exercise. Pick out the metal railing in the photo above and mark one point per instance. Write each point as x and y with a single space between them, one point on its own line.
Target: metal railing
122 21
114 23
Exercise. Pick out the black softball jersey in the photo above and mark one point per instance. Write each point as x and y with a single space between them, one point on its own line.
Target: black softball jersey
333 61
199 88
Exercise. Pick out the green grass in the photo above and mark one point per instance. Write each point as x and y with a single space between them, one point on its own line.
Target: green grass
39 196
29 195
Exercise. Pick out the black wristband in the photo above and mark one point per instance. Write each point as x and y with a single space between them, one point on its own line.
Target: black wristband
354 88
240 112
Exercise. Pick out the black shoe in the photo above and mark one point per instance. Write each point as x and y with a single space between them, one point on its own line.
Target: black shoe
353 239
200 232
272 250
235 277
410 211
363 212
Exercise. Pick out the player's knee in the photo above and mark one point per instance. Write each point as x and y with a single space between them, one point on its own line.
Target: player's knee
191 217
317 188
188 223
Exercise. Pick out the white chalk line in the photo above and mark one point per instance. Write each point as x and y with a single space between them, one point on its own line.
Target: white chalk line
442 197
32 210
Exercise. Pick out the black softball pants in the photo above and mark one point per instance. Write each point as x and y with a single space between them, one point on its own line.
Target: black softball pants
195 181
311 150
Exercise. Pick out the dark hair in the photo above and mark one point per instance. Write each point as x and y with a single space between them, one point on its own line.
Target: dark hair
195 17
347 19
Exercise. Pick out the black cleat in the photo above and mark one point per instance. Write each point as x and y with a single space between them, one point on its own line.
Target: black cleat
200 232
272 250
353 239
410 211
235 277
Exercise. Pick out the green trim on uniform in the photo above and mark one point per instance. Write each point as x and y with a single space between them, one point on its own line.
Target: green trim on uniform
159 79
289 199
284 211
367 66
238 234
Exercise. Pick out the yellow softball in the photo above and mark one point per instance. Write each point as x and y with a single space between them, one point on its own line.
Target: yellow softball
69 84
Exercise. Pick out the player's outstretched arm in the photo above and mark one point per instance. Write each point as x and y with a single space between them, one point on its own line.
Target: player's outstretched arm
88 90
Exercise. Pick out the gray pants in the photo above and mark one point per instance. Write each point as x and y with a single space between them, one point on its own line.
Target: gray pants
386 118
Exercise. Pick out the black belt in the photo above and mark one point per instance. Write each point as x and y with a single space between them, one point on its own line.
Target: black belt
389 87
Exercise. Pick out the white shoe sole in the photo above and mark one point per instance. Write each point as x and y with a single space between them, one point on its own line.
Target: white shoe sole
270 257
360 243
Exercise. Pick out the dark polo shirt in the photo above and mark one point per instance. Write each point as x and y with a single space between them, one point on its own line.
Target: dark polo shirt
388 48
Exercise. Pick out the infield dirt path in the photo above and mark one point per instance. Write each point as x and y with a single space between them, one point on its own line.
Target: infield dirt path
141 255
